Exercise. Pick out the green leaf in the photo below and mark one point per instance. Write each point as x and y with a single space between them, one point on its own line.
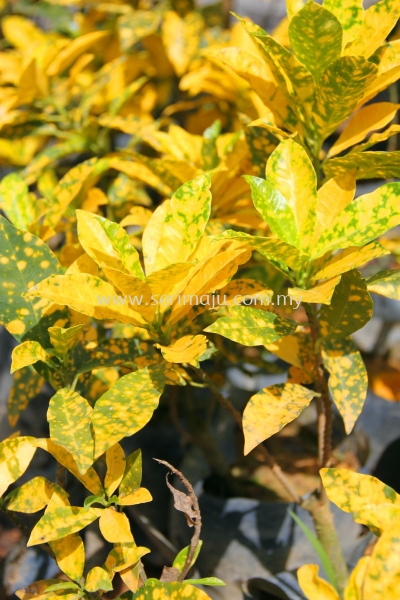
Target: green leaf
340 88
25 260
348 381
206 581
251 326
16 201
133 474
363 220
385 283
271 409
126 407
368 165
350 309
108 244
316 37
350 14
70 426
62 521
319 549
27 383
209 151
180 559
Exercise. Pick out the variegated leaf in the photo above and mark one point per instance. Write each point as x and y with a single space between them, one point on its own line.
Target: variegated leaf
69 552
135 25
348 381
69 417
133 474
27 353
62 521
27 384
385 283
98 579
115 461
169 591
382 577
126 407
63 340
350 308
25 260
31 496
15 456
16 202
181 38
187 349
368 165
319 294
350 14
125 555
352 258
333 197
139 496
379 20
270 410
251 326
316 37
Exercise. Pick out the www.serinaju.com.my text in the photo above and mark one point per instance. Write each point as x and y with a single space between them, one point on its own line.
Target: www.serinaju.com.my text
210 300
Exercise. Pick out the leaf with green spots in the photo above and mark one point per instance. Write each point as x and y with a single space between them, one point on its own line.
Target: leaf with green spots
123 556
108 244
333 197
98 579
31 496
261 144
368 165
209 150
385 283
90 479
340 88
15 457
350 14
16 201
379 20
50 155
69 552
184 222
363 220
27 353
27 384
133 474
111 353
69 417
181 38
350 308
377 138
270 410
169 591
251 326
126 408
313 586
63 340
316 38
352 258
62 521
115 461
135 25
348 381
382 577
25 260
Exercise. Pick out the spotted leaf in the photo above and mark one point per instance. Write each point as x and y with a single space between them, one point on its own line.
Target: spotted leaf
124 555
340 88
316 38
293 7
108 244
69 417
115 461
133 474
115 527
181 38
251 326
135 25
350 14
16 202
350 308
169 591
63 340
382 577
15 456
31 496
62 521
69 552
379 20
348 381
25 260
313 586
385 283
187 349
27 353
333 197
352 258
363 220
126 407
270 410
27 384
98 579
368 165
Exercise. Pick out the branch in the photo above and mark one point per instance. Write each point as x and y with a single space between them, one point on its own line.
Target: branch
189 505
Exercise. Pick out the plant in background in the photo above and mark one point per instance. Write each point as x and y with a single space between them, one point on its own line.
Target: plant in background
113 318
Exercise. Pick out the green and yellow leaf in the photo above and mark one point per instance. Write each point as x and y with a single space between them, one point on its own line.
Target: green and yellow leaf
187 349
98 579
62 521
15 457
133 474
350 14
319 294
352 258
181 38
333 197
169 591
115 461
27 384
16 201
385 283
379 20
69 552
31 497
139 496
27 353
63 340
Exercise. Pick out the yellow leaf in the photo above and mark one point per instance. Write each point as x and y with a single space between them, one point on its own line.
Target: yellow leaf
333 197
15 457
320 294
115 527
83 264
61 521
136 292
139 496
152 236
139 216
270 410
31 497
89 295
98 579
187 349
350 13
379 20
123 556
354 587
94 199
115 461
63 340
181 38
70 53
70 555
90 480
27 353
368 119
382 578
21 32
379 84
313 586
296 349
352 258
131 577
